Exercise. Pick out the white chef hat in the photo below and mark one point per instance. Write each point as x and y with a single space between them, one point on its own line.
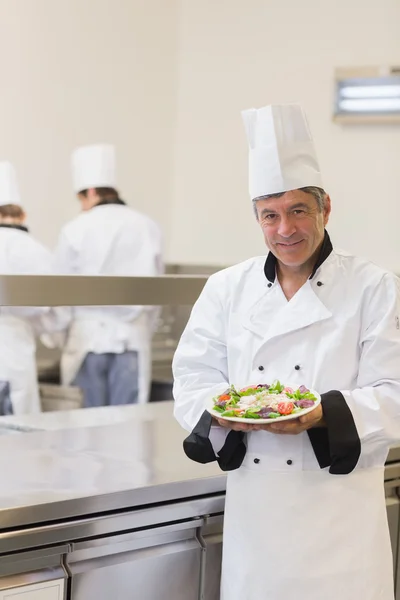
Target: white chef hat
282 155
9 193
93 167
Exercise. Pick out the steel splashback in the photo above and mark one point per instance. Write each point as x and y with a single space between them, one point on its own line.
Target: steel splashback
74 290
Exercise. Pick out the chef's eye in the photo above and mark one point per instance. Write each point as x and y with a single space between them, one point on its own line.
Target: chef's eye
299 212
269 217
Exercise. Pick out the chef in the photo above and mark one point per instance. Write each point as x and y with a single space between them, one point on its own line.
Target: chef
108 351
305 514
21 254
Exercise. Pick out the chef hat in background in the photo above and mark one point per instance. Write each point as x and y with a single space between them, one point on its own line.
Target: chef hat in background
282 155
9 193
94 167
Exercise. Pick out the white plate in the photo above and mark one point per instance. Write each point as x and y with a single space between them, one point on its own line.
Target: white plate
304 411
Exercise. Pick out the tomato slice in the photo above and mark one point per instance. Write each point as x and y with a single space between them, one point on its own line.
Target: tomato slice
224 398
285 408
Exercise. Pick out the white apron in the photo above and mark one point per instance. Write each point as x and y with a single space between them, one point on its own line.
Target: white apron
306 535
18 364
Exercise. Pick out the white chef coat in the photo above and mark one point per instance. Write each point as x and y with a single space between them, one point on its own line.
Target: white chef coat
305 515
21 254
115 240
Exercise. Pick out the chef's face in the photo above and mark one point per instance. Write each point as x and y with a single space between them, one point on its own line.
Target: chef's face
293 226
89 199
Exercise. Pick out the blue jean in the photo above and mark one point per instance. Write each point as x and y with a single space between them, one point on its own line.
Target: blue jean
109 379
6 407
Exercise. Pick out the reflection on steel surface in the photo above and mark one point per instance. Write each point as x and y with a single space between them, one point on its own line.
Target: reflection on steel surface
97 460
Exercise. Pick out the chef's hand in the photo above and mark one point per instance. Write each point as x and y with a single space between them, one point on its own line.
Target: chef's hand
315 418
234 425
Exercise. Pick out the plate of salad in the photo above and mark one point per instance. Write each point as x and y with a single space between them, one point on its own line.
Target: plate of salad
264 403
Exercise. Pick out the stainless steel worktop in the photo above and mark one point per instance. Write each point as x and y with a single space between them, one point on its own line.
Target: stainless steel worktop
96 460
82 462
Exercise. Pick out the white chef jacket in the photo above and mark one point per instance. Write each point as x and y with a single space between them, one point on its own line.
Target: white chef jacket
21 254
115 240
305 515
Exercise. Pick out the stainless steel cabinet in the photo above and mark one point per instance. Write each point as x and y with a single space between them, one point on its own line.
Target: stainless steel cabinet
211 539
392 485
33 575
393 514
49 590
163 562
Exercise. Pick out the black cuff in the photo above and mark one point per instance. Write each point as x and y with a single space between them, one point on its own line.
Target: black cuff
232 453
337 445
198 447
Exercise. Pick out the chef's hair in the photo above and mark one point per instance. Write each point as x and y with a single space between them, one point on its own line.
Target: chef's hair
318 193
12 211
106 194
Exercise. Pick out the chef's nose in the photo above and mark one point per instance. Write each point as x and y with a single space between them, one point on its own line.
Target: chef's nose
286 226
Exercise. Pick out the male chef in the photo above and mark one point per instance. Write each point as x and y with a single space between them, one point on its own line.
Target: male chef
305 514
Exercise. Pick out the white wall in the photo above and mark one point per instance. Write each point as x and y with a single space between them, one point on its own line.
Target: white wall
236 55
83 71
157 75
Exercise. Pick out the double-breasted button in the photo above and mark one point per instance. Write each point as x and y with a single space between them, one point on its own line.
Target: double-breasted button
289 462
270 284
297 367
261 368
256 460
319 283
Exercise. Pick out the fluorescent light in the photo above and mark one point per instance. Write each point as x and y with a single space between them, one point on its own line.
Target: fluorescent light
370 105
370 91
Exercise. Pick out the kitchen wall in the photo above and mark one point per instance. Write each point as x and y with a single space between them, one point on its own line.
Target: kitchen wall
76 72
236 55
165 80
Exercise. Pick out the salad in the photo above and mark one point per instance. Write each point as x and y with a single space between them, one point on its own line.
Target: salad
263 401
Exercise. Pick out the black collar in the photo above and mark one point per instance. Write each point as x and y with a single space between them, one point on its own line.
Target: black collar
115 201
14 226
326 249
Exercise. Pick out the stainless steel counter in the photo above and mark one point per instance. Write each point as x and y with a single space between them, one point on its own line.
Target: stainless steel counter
81 462
97 460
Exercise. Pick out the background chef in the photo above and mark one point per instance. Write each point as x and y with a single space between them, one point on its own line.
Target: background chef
108 351
22 254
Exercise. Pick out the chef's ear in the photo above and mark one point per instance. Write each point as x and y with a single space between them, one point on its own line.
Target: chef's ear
327 208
